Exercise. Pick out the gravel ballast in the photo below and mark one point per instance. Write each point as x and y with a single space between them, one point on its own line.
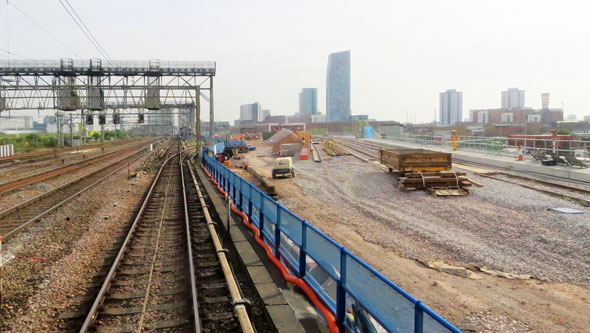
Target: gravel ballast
500 226
56 256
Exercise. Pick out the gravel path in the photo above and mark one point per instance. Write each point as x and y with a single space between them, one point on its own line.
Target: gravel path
55 256
501 226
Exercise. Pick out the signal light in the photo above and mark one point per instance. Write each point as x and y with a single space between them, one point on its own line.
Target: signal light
140 118
89 119
116 119
102 119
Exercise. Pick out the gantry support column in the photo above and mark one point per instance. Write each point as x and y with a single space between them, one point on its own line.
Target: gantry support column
198 124
211 109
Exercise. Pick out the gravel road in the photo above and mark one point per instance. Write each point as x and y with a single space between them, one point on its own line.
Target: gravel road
501 226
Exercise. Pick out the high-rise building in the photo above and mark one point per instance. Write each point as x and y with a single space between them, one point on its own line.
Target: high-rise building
451 107
265 114
338 87
308 101
545 101
513 99
250 113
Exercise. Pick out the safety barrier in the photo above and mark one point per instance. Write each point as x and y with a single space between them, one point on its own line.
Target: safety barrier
360 297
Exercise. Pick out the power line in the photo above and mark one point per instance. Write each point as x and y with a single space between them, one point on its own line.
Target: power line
94 43
42 28
12 53
89 32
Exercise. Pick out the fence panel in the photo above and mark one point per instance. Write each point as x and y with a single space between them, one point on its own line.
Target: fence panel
342 281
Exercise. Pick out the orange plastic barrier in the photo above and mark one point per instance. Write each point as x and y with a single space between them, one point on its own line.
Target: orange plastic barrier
288 277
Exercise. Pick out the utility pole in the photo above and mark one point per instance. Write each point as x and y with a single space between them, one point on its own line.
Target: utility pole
83 121
71 134
58 128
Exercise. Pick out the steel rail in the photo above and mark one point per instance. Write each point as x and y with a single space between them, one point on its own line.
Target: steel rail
16 184
30 157
94 310
57 205
581 201
567 197
194 291
233 287
93 313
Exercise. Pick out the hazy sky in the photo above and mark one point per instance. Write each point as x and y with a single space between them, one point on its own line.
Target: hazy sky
403 52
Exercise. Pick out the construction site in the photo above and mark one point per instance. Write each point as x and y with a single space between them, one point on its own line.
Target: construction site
334 179
485 245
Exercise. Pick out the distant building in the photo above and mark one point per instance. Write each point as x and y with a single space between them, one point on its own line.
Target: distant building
544 100
516 116
513 98
308 101
571 116
587 119
359 117
11 123
265 114
338 87
250 113
318 118
451 107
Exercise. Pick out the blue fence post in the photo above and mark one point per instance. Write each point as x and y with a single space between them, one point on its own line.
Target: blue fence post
261 219
302 250
241 198
226 180
341 292
418 318
278 233
250 204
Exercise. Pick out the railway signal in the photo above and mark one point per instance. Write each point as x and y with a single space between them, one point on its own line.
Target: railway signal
102 119
116 119
140 118
89 119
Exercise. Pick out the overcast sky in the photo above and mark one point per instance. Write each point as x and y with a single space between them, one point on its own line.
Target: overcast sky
403 53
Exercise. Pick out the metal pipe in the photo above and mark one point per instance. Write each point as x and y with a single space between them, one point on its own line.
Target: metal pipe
231 282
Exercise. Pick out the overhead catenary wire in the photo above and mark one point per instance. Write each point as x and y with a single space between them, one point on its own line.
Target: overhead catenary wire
15 54
87 33
40 27
109 58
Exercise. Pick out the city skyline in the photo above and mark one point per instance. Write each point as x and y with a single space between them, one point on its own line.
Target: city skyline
392 73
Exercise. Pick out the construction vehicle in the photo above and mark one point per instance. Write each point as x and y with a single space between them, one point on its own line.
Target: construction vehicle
421 169
283 166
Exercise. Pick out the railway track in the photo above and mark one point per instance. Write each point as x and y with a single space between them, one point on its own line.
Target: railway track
18 217
168 273
38 156
549 187
16 184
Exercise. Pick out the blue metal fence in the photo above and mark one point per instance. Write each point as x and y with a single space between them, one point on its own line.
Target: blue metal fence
346 284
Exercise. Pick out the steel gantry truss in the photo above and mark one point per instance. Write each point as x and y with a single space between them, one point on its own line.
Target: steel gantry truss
97 85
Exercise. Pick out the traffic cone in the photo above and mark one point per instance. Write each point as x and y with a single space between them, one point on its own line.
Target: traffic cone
520 156
244 162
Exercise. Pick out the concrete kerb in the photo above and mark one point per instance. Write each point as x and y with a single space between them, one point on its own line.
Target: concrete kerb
289 311
582 175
